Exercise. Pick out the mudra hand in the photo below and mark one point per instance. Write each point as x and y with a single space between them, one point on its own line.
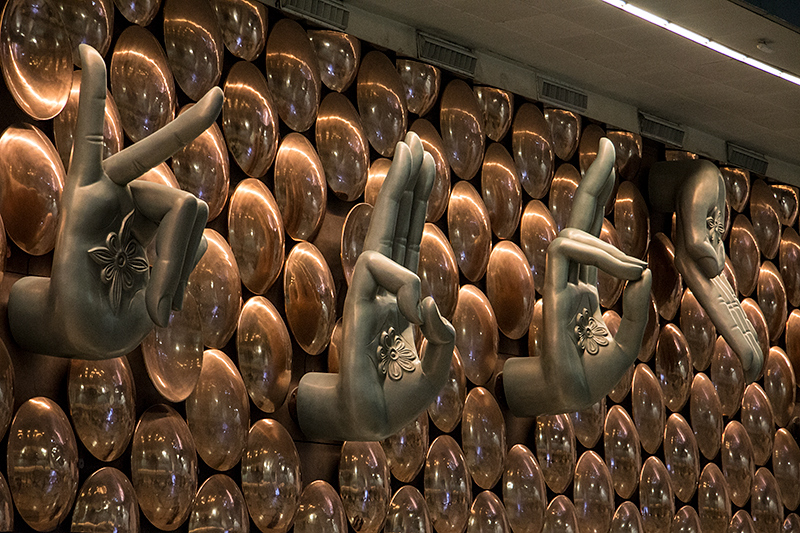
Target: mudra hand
580 361
696 190
101 299
382 385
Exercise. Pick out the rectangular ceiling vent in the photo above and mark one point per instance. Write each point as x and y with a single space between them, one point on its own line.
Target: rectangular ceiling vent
329 13
660 129
559 94
446 54
744 158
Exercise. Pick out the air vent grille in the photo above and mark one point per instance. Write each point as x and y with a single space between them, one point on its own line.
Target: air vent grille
445 54
660 130
558 94
330 13
744 158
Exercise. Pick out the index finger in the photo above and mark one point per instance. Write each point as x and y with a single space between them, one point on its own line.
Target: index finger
380 235
87 155
593 191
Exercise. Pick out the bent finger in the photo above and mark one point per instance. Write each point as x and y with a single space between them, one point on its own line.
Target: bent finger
380 235
419 211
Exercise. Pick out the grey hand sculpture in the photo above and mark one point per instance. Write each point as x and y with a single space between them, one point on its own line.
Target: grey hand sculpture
580 361
382 385
101 299
696 191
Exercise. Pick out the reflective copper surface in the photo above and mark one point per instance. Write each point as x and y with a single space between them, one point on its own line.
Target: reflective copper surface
421 82
745 254
738 465
164 467
562 192
509 287
203 169
353 234
476 334
106 501
765 503
461 124
31 181
193 43
432 142
255 233
627 518
560 515
793 340
758 421
483 437
88 22
163 175
759 322
673 367
339 55
249 119
342 147
727 375
217 288
142 83
364 485
310 297
788 199
713 501
533 151
593 493
448 490
785 464
741 522
656 501
764 210
42 463
219 506
64 124
498 110
7 377
667 281
218 412
536 330
556 450
293 74
243 24
36 57
648 408
771 295
587 150
705 415
698 329
609 288
789 264
381 102
588 423
408 512
686 519
173 355
565 129
405 450
271 476
377 174
524 492
300 188
438 270
621 451
537 231
651 331
320 509
737 186
102 403
501 191
681 457
141 12
628 147
487 515
446 409
679 155
469 229
780 385
632 220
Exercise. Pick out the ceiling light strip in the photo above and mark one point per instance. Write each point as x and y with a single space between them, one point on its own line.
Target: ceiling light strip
704 41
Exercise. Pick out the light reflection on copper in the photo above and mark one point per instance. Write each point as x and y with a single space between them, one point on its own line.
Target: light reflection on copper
565 129
469 229
737 187
771 296
788 198
377 174
764 210
587 150
532 149
632 220
509 287
498 110
381 102
745 254
501 191
432 143
421 82
477 337
88 22
342 146
141 12
667 281
609 288
628 147
562 193
300 187
461 125
243 24
537 231
353 234
339 55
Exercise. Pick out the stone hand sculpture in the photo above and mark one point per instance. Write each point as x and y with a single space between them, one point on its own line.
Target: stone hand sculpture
382 384
580 360
696 191
102 299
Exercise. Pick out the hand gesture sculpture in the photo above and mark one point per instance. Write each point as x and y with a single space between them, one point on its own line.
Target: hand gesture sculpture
382 385
580 361
696 191
101 299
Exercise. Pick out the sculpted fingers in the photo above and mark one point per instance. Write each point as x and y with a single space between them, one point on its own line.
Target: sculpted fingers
592 193
87 156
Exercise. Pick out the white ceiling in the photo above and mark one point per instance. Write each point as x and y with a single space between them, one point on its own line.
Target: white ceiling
611 53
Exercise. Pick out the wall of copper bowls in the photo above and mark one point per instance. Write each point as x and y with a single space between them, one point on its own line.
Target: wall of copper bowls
192 431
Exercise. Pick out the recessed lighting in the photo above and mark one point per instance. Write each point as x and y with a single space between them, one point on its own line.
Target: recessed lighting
762 45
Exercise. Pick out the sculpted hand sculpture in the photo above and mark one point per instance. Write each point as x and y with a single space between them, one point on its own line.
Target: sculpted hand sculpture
696 191
580 361
382 384
102 299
